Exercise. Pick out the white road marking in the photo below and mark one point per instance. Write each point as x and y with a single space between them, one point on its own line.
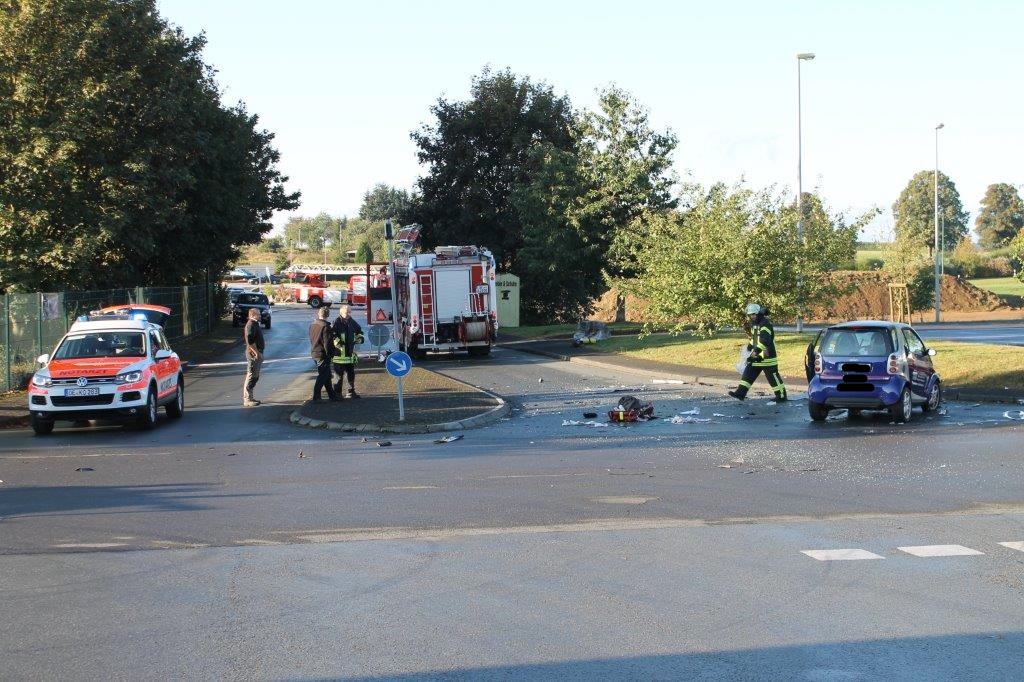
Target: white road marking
98 454
1019 546
89 545
410 487
939 550
840 554
623 499
242 363
491 478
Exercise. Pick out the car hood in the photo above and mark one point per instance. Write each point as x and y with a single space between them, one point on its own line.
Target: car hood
93 367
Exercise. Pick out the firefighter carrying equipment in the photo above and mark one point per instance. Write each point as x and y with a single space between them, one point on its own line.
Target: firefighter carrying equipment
763 358
630 409
341 358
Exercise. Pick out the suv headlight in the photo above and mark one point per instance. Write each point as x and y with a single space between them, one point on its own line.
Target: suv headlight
128 377
41 379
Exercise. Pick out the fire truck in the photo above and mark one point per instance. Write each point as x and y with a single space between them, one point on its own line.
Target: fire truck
446 299
312 288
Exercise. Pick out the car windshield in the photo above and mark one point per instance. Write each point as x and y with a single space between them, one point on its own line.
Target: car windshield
102 345
856 343
252 298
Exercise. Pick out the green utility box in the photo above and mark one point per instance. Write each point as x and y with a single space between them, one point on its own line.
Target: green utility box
508 300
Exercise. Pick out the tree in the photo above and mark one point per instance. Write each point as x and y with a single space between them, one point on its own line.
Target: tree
121 165
478 155
364 254
914 211
384 202
733 246
906 263
629 168
966 259
1001 217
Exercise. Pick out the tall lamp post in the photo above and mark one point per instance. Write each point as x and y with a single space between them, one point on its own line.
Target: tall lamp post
802 57
938 246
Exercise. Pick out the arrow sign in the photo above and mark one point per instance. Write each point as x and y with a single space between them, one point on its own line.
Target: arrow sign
398 364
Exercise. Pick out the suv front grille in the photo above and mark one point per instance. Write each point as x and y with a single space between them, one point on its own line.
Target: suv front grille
91 380
82 400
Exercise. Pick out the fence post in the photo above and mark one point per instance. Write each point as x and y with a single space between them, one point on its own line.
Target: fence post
39 323
7 338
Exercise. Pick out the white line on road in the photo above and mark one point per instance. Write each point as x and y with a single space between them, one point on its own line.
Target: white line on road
1019 546
241 363
89 545
840 554
939 550
97 454
410 487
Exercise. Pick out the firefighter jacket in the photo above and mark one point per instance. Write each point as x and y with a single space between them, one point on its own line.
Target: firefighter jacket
762 345
347 333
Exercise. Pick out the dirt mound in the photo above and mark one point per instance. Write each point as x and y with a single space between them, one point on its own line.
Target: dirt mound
867 297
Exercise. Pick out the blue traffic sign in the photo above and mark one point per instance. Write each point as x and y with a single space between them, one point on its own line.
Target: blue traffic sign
398 364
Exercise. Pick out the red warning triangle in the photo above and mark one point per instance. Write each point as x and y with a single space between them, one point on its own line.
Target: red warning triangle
381 317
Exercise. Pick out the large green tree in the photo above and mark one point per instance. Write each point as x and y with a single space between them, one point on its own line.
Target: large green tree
914 211
479 153
733 246
384 202
1001 217
120 165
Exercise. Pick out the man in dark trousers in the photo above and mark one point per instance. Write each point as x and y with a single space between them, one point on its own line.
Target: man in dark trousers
347 333
254 347
321 349
763 356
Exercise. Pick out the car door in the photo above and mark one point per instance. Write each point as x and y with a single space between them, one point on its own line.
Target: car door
812 349
919 363
165 378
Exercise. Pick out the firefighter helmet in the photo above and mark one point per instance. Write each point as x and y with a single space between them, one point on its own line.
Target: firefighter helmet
753 309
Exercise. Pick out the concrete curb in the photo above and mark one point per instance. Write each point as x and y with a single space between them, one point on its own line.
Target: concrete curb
949 392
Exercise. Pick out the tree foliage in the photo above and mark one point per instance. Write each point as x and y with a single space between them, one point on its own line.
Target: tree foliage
907 262
914 211
121 167
384 202
1001 217
733 246
364 254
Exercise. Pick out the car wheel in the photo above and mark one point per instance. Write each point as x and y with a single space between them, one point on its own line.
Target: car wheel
267 324
42 427
314 301
934 398
819 412
902 410
177 408
234 322
148 418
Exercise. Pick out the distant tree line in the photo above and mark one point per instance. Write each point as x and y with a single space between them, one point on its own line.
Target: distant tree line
120 166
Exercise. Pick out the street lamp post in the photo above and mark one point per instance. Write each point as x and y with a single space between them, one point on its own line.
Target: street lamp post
938 245
803 56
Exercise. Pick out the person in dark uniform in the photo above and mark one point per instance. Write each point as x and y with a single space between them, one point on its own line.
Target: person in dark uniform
347 333
321 349
763 356
254 347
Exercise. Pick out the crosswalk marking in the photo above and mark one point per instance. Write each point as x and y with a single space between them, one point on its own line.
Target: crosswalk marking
1019 546
939 550
840 554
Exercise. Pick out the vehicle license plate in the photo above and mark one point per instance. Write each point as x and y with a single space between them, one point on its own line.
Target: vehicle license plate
71 392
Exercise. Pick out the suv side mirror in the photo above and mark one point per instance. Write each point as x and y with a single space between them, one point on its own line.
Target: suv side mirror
162 354
931 351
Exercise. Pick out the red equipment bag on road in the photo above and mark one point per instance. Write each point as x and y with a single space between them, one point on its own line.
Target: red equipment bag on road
630 409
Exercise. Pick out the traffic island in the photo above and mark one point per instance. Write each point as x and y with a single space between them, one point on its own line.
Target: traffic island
433 402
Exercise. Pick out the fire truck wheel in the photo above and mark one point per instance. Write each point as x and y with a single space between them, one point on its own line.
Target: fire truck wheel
314 301
479 351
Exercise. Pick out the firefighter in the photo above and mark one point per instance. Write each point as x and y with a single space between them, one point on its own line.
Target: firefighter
763 357
347 333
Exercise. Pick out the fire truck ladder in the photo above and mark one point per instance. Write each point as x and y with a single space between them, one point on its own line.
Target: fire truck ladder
427 307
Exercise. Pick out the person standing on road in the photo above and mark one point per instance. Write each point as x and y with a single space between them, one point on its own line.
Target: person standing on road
347 333
321 350
254 347
763 356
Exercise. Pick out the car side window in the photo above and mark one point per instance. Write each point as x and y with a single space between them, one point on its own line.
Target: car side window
163 340
154 343
895 340
914 342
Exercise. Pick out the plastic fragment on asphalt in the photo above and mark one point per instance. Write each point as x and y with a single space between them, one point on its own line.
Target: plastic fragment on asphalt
383 443
449 439
772 402
573 422
838 416
718 414
942 412
694 411
85 469
1016 416
302 455
681 419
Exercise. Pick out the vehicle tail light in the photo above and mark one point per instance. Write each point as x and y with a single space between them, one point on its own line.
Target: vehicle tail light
817 363
894 364
415 325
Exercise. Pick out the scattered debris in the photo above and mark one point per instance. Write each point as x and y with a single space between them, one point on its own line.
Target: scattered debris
1016 416
726 466
630 409
838 415
232 454
85 469
573 422
590 415
680 419
718 414
694 411
302 455
449 439
383 443
589 332
810 470
942 411
540 381
772 402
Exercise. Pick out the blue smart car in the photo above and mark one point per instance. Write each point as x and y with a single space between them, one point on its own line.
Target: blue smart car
870 365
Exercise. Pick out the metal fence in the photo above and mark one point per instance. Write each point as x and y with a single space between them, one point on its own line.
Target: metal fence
32 324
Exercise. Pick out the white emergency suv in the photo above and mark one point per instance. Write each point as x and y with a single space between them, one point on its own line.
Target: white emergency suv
115 364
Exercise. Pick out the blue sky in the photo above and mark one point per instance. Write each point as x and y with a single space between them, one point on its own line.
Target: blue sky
342 84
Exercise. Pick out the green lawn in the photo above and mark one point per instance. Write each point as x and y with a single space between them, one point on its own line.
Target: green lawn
1004 286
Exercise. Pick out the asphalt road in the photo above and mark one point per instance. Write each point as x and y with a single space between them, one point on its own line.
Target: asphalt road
210 548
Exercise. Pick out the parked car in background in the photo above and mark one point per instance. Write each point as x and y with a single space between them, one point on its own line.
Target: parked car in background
238 274
265 279
871 365
247 301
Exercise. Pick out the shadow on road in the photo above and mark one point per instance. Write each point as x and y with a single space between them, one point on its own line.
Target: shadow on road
58 500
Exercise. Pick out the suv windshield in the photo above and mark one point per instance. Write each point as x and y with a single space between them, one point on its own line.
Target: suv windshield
102 345
856 343
253 299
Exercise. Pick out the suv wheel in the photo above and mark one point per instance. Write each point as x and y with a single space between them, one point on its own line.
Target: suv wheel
177 408
819 412
42 427
934 398
148 418
903 409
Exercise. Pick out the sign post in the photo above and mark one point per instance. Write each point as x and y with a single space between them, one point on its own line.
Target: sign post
401 366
